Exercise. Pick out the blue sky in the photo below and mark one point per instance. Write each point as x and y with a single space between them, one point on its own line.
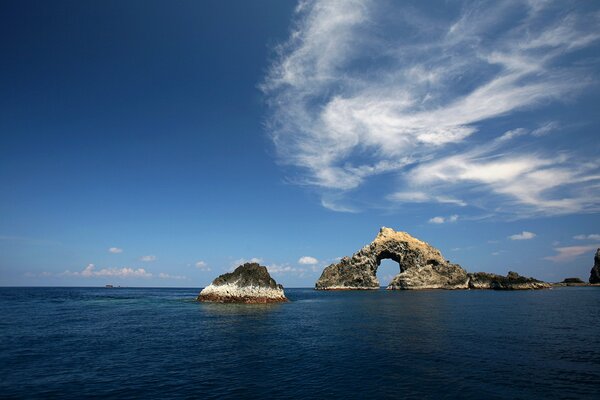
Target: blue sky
161 144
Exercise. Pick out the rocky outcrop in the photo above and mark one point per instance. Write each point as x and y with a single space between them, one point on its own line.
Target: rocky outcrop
512 281
595 272
249 283
421 266
568 281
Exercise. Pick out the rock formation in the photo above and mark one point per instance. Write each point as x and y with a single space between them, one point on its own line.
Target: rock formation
421 267
512 281
595 272
572 281
249 283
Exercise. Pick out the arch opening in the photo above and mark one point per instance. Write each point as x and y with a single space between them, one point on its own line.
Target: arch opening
387 269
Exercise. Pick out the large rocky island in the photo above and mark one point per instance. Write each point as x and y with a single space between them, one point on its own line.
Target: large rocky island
421 267
249 283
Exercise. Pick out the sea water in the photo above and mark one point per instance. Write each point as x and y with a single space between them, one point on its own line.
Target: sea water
161 343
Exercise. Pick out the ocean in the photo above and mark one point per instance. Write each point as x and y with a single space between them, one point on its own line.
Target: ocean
74 343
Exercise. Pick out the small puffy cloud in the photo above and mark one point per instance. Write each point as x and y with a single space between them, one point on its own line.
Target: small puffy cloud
163 275
569 253
522 236
593 236
115 250
90 271
307 260
442 220
149 258
202 266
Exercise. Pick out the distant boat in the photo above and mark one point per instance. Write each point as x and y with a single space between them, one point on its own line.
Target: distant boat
109 286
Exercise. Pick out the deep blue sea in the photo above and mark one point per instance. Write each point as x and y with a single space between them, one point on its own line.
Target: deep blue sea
160 343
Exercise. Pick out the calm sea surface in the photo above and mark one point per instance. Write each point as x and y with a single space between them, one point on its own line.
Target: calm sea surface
160 343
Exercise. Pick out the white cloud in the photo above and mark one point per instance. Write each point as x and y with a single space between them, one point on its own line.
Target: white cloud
308 260
570 253
278 269
443 220
422 197
163 275
149 258
115 250
593 236
545 129
90 271
351 99
522 236
202 266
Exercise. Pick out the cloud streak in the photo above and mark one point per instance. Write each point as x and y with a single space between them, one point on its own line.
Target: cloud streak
90 271
569 253
361 90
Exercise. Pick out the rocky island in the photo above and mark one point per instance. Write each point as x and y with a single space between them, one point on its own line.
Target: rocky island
249 283
595 272
421 267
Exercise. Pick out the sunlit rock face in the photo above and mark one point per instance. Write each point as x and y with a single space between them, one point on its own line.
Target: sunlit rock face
595 273
249 283
421 266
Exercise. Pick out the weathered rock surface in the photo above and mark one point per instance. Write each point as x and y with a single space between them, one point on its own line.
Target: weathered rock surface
421 266
512 281
249 283
595 272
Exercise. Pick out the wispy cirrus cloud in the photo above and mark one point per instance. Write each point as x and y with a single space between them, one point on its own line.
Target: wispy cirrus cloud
148 258
569 253
592 236
365 88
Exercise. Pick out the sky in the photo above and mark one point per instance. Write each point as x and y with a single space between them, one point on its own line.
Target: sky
155 143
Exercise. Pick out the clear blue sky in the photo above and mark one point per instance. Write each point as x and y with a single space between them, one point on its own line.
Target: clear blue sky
155 143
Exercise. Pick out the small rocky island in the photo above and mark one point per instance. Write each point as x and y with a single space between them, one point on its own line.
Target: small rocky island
249 283
421 267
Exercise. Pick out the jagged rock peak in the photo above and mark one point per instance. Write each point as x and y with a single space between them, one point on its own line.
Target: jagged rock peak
595 272
248 283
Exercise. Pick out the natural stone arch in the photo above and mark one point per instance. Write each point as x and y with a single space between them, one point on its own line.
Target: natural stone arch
421 266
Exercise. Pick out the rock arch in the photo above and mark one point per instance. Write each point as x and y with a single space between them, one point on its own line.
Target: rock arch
421 266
